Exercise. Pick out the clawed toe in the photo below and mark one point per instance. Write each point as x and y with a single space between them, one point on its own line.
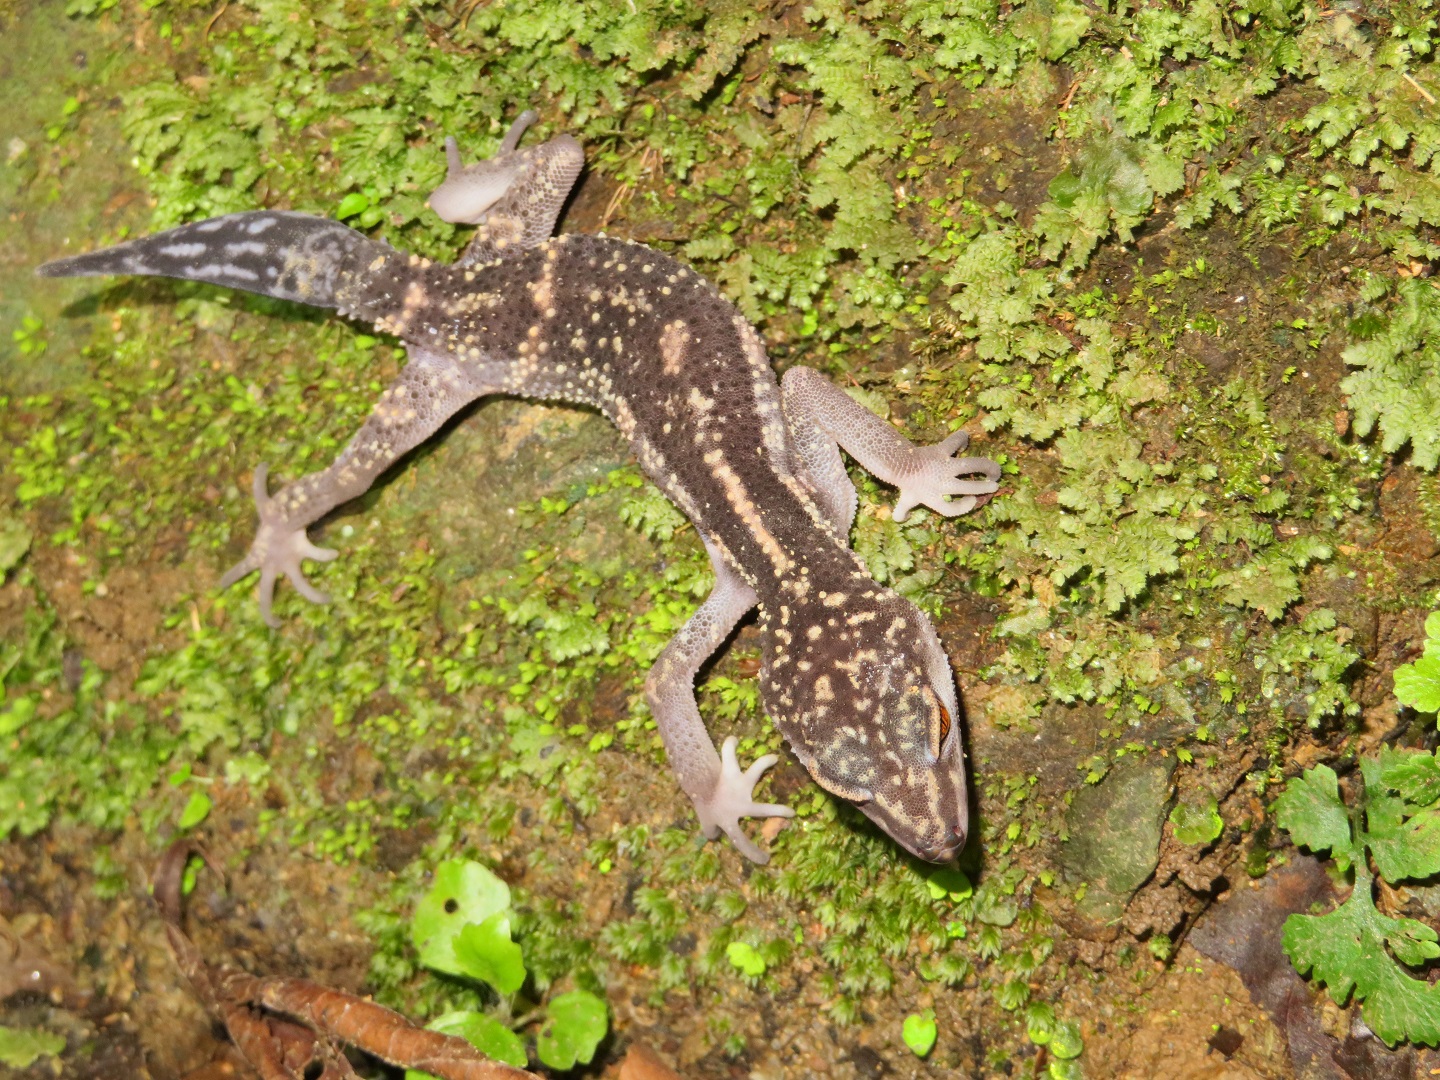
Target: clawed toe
954 443
732 800
968 487
277 549
246 566
935 476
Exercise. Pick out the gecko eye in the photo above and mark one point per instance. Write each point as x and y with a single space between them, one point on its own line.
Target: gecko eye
944 726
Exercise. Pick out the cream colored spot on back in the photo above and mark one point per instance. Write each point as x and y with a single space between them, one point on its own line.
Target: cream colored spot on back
673 339
415 299
543 291
624 418
699 402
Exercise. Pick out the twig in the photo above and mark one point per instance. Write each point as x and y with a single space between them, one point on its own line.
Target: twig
1420 89
1070 94
616 201
285 1027
469 11
214 19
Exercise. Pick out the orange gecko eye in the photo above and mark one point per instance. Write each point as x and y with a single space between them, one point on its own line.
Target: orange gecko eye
944 725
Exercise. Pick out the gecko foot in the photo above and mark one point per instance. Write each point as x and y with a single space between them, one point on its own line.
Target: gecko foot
277 549
933 474
730 801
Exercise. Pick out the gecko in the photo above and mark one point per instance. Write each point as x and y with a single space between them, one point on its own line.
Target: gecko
852 674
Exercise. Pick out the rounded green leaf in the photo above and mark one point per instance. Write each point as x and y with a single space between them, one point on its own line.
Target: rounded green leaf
1065 1041
484 952
351 205
1065 189
1196 823
1418 684
196 810
576 1024
919 1032
485 1033
464 892
744 957
947 881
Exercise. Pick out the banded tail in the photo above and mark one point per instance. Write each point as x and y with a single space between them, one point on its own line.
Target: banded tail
289 256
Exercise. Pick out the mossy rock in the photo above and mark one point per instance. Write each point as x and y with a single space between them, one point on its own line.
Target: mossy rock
1115 835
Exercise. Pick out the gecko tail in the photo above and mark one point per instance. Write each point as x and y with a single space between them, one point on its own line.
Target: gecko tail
300 257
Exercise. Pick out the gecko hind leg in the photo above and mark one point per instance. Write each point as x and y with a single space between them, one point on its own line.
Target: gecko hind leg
432 387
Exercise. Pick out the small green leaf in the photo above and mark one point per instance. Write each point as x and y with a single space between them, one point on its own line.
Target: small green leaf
576 1024
919 1032
1414 774
1418 684
1065 1040
22 1047
995 911
1406 844
196 810
1040 1022
485 953
352 204
17 715
464 893
1310 810
1196 823
950 882
1065 189
485 1033
744 957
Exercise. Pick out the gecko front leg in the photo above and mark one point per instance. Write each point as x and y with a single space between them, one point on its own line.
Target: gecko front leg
431 388
721 791
821 417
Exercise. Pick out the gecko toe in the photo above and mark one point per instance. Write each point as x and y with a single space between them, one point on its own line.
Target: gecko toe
746 846
260 487
266 595
246 566
303 586
733 799
967 466
968 487
278 548
953 443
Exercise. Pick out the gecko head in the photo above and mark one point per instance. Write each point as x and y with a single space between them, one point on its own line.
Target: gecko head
862 690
